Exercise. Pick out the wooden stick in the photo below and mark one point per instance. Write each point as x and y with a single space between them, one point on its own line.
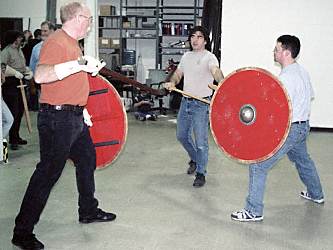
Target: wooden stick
189 95
25 105
125 80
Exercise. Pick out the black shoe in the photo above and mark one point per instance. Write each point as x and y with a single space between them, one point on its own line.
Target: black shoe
14 146
152 118
28 242
199 181
5 151
193 166
100 216
22 141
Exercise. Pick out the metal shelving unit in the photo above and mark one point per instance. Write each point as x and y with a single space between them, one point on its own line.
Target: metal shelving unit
176 21
131 26
127 25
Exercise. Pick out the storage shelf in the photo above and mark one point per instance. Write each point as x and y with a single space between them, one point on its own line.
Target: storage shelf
171 54
180 7
178 14
139 28
174 48
105 28
164 35
124 16
140 7
142 37
180 17
177 20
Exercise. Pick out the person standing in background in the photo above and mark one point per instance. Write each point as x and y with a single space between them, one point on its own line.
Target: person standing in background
16 70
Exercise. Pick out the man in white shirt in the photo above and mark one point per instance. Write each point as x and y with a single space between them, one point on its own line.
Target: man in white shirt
296 80
199 67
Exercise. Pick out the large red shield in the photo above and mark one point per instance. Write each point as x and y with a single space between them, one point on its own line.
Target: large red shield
250 115
109 119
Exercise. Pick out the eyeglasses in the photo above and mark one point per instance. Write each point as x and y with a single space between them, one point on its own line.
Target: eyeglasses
90 18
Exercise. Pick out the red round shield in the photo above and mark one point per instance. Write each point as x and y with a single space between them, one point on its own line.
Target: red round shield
109 119
250 115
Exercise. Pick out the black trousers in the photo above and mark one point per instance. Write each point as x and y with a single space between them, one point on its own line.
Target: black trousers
13 98
62 135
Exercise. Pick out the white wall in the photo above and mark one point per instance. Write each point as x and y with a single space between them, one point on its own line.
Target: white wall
33 9
249 32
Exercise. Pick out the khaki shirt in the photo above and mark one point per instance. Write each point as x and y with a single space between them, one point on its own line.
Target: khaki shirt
14 58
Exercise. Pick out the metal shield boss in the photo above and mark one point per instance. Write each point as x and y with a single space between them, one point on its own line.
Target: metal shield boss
109 120
250 115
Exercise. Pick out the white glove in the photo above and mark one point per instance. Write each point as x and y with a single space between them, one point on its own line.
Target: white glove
87 118
85 63
28 74
63 70
13 72
92 65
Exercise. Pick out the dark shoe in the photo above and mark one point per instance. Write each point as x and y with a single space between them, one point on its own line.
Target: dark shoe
199 181
152 118
142 118
28 242
5 150
245 216
193 166
305 195
14 146
22 142
100 216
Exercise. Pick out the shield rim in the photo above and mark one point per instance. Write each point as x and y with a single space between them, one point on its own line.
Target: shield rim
243 161
107 164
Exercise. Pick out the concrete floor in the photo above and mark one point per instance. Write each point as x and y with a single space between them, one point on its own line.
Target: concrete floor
157 206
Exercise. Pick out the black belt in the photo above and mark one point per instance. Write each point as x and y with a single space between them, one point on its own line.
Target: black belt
64 107
193 99
299 122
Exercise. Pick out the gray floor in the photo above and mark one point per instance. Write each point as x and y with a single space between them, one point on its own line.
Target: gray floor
157 206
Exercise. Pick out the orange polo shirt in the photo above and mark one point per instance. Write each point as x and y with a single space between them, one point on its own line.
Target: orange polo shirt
74 89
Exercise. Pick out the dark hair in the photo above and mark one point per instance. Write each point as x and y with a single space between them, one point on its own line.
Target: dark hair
205 35
11 36
290 43
37 33
49 24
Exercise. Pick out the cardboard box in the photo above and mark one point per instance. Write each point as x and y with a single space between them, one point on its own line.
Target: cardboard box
115 43
107 10
104 43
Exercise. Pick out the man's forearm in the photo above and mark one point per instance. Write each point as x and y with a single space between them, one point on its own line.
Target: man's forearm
45 74
217 74
175 78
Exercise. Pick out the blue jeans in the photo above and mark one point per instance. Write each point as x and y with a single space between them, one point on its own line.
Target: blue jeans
295 148
7 119
192 120
62 135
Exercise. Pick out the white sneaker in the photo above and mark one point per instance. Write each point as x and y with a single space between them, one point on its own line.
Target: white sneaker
305 195
244 215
